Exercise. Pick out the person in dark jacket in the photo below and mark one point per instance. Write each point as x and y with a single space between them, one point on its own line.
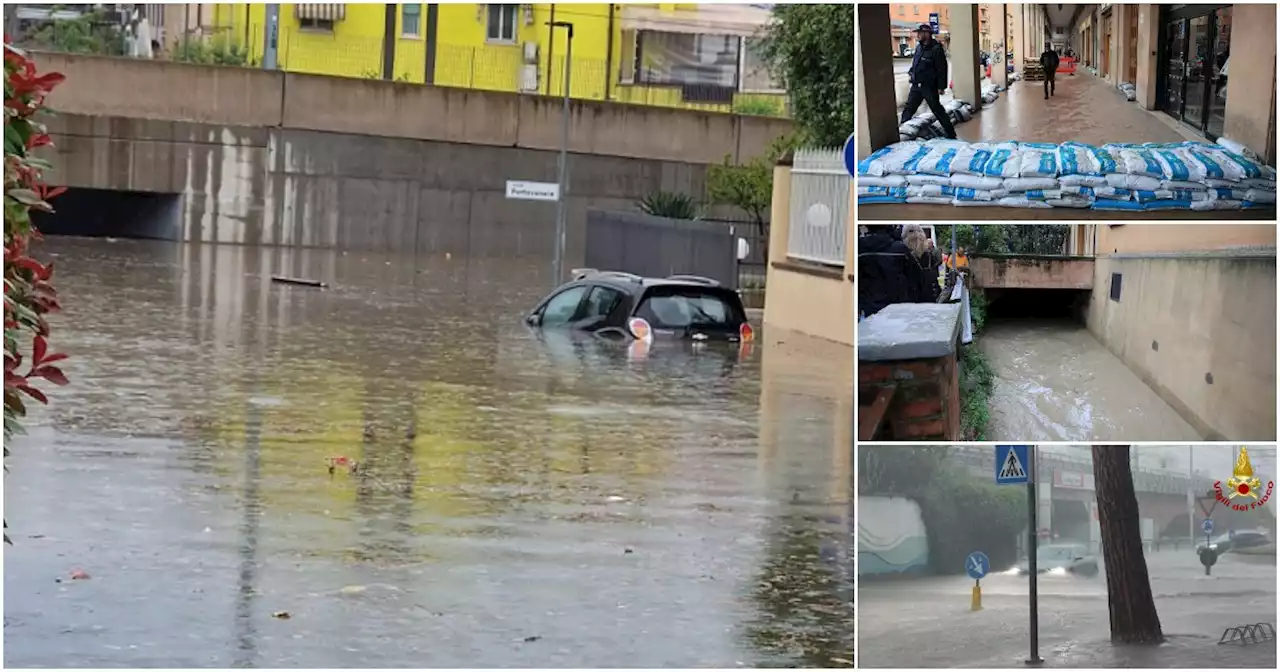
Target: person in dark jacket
882 270
928 80
1049 61
922 275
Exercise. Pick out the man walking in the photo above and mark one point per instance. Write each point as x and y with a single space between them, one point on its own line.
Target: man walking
1049 61
928 80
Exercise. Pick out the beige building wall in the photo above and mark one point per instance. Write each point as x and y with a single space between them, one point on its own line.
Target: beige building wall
1195 319
802 297
1251 89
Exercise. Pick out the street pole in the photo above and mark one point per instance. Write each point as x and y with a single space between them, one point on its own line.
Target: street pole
562 181
1032 505
1191 498
271 37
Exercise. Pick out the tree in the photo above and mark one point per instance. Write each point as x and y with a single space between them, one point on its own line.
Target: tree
810 48
89 33
1133 610
749 187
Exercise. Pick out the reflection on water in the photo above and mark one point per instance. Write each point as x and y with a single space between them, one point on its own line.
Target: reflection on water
1056 382
521 499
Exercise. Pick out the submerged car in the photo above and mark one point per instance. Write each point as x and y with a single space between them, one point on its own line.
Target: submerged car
1062 559
1245 542
624 306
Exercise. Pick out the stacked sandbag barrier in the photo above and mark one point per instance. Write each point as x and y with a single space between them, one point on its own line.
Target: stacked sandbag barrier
1134 177
1129 90
925 126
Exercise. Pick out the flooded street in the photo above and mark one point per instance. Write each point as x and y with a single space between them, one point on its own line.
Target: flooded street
523 500
927 622
1056 382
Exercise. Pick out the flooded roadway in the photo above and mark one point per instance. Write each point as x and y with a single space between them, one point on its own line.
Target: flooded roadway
1056 382
927 622
522 502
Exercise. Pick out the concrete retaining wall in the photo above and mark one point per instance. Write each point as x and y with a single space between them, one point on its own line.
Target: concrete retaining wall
1031 273
146 89
1200 329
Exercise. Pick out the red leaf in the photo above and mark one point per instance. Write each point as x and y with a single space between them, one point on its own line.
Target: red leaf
39 349
39 140
34 393
55 357
52 374
11 362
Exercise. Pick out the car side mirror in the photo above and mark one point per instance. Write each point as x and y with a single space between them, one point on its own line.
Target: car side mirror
533 319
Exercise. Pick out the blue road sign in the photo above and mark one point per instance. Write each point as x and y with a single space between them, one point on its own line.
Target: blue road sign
977 565
1011 465
933 22
849 162
1207 525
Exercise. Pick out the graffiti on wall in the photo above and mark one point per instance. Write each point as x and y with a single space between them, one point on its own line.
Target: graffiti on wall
891 537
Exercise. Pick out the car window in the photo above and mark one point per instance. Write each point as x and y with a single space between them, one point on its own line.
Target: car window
562 307
601 301
680 307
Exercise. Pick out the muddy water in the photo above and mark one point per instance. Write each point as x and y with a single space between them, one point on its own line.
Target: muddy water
522 501
1056 382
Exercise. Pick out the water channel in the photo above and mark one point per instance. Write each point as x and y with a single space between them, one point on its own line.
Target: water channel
1056 382
522 500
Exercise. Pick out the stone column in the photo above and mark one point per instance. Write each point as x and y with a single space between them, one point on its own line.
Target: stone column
1251 86
965 63
1119 43
877 106
999 33
910 349
1148 39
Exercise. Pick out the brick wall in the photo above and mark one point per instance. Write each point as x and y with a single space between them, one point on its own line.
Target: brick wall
927 403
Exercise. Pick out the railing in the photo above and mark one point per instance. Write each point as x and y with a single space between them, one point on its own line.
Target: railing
819 207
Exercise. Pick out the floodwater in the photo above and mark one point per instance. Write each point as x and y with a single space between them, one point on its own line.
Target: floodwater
928 621
521 501
1056 382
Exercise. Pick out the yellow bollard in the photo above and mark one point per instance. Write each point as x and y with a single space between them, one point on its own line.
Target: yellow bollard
976 603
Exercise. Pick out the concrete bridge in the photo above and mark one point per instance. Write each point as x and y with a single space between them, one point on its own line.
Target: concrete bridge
1031 271
240 155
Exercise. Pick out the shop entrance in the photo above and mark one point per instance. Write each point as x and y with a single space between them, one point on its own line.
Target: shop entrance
1197 45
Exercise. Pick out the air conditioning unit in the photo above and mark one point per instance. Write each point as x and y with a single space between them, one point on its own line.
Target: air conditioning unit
529 78
531 52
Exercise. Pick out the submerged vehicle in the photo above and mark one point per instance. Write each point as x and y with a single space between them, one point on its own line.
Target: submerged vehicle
1062 559
624 306
1248 542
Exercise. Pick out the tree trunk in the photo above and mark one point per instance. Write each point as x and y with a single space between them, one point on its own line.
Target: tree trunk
1133 611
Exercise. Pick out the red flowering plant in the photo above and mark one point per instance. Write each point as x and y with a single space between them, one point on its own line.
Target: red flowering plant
28 294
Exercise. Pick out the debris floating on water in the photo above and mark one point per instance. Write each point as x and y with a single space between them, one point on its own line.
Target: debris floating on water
298 281
282 615
78 574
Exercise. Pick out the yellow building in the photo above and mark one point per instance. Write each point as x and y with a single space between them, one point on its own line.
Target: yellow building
677 55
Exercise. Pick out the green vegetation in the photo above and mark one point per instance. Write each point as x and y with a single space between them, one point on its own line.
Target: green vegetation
1006 238
215 51
810 47
762 107
961 513
89 33
670 204
749 187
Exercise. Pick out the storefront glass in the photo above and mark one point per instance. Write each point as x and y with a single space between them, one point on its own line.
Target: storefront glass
1196 45
1221 54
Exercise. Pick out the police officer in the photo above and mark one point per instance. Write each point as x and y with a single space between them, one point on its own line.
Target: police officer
928 79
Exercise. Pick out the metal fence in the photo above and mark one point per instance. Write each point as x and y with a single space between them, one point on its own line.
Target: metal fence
819 207
658 247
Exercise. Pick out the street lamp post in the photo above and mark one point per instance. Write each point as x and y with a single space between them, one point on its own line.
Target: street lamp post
562 181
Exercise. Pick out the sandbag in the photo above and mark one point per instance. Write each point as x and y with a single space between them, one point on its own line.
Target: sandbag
1003 163
1084 180
976 182
1028 183
1016 202
929 179
971 161
1121 181
1038 163
1076 159
929 200
1178 165
1140 162
886 181
1260 196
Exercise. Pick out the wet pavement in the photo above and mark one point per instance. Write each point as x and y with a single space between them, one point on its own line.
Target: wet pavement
521 501
927 622
1056 382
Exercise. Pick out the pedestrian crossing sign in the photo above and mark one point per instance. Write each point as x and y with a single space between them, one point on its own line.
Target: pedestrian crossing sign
1012 465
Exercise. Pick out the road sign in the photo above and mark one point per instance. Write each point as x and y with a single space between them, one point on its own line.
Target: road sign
1011 465
933 22
977 565
849 162
533 191
1207 526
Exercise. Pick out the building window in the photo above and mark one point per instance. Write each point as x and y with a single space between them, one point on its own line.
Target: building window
316 24
902 10
502 23
915 10
410 20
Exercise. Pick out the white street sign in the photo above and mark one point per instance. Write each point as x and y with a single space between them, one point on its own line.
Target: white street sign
533 191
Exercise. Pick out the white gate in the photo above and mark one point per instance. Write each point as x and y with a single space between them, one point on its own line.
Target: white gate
820 188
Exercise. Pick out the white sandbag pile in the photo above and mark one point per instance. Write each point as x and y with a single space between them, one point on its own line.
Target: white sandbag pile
925 126
1135 177
1129 90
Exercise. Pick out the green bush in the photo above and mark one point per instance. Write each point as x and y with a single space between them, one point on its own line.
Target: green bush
961 513
212 52
670 204
89 33
977 380
761 107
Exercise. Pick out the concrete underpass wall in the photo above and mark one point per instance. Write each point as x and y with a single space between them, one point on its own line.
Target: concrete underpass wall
298 160
1200 329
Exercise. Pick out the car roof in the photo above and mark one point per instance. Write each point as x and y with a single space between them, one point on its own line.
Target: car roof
632 283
